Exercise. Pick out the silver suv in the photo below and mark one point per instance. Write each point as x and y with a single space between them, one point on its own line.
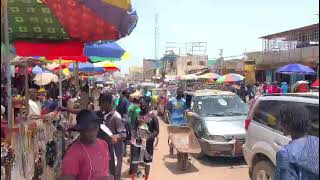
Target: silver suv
264 136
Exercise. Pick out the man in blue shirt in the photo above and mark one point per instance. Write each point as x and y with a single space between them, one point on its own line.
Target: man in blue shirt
177 106
298 160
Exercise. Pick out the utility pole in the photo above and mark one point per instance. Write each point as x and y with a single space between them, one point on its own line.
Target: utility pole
156 36
221 61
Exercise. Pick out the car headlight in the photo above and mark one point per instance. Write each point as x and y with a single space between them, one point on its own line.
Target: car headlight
217 138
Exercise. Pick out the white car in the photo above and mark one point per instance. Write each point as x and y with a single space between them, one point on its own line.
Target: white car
264 136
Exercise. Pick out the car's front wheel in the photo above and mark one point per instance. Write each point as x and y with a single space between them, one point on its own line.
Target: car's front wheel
263 170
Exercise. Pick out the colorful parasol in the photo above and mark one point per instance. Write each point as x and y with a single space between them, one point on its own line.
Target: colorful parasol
122 19
61 20
49 49
87 67
43 79
103 51
229 78
296 69
189 77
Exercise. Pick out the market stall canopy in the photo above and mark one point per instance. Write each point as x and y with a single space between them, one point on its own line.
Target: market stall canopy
122 19
37 70
98 51
296 69
60 20
230 78
25 61
49 49
189 77
87 67
43 79
212 76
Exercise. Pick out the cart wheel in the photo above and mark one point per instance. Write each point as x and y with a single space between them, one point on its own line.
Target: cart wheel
170 147
183 161
171 151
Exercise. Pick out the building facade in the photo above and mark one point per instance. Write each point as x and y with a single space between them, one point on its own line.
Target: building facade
299 45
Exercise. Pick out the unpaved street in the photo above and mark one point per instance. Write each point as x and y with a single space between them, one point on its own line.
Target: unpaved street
165 167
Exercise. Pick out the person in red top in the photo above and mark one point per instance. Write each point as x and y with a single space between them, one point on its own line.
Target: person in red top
88 157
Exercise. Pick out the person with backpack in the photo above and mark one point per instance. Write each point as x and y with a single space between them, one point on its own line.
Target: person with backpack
298 160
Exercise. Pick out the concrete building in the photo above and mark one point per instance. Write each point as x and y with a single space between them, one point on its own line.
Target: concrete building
299 45
184 64
151 68
136 74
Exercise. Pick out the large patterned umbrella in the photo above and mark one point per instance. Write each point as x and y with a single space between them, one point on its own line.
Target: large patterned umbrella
64 20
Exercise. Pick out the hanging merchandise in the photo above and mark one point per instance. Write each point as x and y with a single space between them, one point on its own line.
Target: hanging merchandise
39 166
51 153
7 154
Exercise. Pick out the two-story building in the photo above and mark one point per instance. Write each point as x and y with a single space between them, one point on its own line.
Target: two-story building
300 45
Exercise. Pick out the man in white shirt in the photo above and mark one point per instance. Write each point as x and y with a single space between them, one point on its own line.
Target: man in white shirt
34 104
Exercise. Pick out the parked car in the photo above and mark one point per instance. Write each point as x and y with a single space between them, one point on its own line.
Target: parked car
264 135
217 118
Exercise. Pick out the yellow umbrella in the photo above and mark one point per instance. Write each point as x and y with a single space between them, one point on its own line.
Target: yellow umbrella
123 4
105 64
66 71
126 56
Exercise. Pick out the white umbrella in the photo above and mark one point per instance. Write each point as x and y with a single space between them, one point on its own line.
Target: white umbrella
302 82
43 79
189 77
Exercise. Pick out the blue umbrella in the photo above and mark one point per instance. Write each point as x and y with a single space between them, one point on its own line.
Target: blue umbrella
86 67
39 70
296 69
107 50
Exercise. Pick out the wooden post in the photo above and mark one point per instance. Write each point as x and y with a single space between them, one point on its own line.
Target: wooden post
26 85
60 81
6 38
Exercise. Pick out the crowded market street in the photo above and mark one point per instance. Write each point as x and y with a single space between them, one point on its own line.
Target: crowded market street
159 90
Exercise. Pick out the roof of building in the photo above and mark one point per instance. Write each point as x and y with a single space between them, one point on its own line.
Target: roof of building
285 34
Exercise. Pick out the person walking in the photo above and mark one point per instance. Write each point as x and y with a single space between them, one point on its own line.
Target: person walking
299 160
147 121
284 87
243 92
88 157
112 120
177 106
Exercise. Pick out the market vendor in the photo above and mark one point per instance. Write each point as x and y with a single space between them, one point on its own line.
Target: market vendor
34 104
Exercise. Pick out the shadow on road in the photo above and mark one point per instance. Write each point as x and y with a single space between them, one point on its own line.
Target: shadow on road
223 162
171 163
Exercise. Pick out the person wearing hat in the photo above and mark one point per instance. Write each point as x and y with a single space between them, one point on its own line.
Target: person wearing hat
88 157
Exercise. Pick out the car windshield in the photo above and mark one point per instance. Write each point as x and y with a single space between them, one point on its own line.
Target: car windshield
222 105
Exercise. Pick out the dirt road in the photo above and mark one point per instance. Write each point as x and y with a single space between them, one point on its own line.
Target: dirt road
164 167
